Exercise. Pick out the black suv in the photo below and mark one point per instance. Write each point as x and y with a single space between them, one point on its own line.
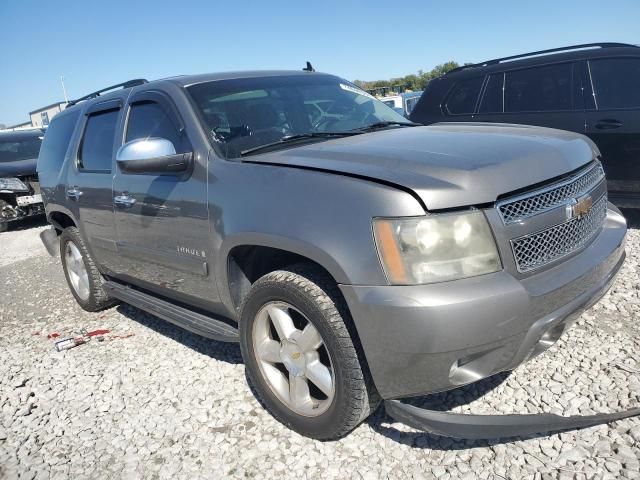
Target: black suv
19 188
592 89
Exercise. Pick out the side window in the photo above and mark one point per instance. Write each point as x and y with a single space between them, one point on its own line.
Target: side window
492 100
56 142
540 89
149 119
616 82
96 149
464 96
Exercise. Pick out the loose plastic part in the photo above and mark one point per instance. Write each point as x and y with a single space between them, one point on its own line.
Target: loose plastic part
477 427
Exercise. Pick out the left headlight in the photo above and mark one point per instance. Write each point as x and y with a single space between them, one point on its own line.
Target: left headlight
436 248
13 184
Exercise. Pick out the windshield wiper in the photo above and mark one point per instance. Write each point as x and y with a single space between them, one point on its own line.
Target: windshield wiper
296 138
377 125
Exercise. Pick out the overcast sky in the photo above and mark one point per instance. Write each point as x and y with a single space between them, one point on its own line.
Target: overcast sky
95 44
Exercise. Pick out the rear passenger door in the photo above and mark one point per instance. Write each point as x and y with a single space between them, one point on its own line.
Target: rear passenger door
613 123
88 187
546 95
163 228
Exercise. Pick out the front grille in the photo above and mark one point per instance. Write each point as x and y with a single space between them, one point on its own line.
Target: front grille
536 250
538 201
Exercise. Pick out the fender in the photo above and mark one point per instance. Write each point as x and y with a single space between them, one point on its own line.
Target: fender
295 246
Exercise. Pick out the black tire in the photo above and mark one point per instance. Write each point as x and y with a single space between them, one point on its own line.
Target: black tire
4 226
98 298
311 291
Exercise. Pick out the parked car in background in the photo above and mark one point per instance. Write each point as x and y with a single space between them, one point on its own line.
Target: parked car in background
403 103
592 89
19 188
354 255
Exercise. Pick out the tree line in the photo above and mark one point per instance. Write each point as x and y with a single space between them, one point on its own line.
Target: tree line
414 81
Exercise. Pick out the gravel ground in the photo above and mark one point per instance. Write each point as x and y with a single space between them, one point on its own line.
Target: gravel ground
158 402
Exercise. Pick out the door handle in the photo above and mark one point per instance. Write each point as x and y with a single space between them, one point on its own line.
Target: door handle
74 194
608 124
124 200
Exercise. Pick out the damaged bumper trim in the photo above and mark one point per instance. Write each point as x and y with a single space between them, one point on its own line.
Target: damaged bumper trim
483 427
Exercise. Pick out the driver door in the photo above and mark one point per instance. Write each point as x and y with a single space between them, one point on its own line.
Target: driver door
162 220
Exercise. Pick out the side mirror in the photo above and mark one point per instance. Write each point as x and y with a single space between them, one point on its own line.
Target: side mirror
152 155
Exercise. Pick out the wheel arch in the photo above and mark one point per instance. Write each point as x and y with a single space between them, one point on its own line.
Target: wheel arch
247 257
61 220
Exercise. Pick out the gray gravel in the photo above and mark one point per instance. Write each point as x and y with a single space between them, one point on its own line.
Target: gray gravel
160 402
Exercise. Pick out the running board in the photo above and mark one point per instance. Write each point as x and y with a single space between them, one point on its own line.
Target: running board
197 323
485 427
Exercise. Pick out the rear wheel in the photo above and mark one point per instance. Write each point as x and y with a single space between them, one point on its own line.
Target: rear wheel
299 355
82 274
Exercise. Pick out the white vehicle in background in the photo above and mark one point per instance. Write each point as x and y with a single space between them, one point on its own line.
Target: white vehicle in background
402 103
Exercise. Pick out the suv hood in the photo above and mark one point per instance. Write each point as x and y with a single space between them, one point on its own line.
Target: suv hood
18 168
448 164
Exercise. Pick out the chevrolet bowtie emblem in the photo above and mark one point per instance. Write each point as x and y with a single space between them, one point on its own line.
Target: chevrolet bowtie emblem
579 207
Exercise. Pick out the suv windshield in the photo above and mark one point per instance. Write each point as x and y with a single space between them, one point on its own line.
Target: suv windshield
245 114
14 148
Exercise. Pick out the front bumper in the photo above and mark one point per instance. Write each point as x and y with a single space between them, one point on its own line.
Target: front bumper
429 338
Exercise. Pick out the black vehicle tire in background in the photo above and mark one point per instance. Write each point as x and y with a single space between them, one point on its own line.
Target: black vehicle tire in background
4 226
83 277
317 348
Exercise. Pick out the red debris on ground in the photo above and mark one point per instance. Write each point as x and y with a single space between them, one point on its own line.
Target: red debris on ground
121 336
98 332
53 335
35 333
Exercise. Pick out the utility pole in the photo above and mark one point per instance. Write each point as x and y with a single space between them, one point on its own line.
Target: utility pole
64 90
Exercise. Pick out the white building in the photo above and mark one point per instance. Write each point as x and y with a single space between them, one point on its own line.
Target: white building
42 116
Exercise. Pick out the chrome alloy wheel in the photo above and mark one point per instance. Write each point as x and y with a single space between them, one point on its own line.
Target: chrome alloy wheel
76 270
296 365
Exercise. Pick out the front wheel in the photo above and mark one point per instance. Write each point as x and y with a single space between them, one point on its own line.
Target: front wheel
299 355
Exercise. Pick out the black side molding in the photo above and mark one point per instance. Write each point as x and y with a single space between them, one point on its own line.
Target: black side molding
195 322
482 427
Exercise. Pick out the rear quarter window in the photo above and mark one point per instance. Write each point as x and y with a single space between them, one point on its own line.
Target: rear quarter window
56 142
462 99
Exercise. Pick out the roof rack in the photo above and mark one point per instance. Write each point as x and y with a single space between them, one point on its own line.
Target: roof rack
128 84
542 52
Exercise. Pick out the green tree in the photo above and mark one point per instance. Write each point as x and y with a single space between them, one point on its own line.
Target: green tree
409 82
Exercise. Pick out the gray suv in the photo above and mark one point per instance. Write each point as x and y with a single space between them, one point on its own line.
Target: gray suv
356 256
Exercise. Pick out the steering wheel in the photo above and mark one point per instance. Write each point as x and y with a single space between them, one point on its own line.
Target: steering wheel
324 122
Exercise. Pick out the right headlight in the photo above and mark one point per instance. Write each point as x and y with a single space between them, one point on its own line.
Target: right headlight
436 248
13 184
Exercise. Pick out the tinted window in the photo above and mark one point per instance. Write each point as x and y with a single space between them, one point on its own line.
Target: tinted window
19 147
149 119
616 82
492 98
56 141
539 89
464 96
97 143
